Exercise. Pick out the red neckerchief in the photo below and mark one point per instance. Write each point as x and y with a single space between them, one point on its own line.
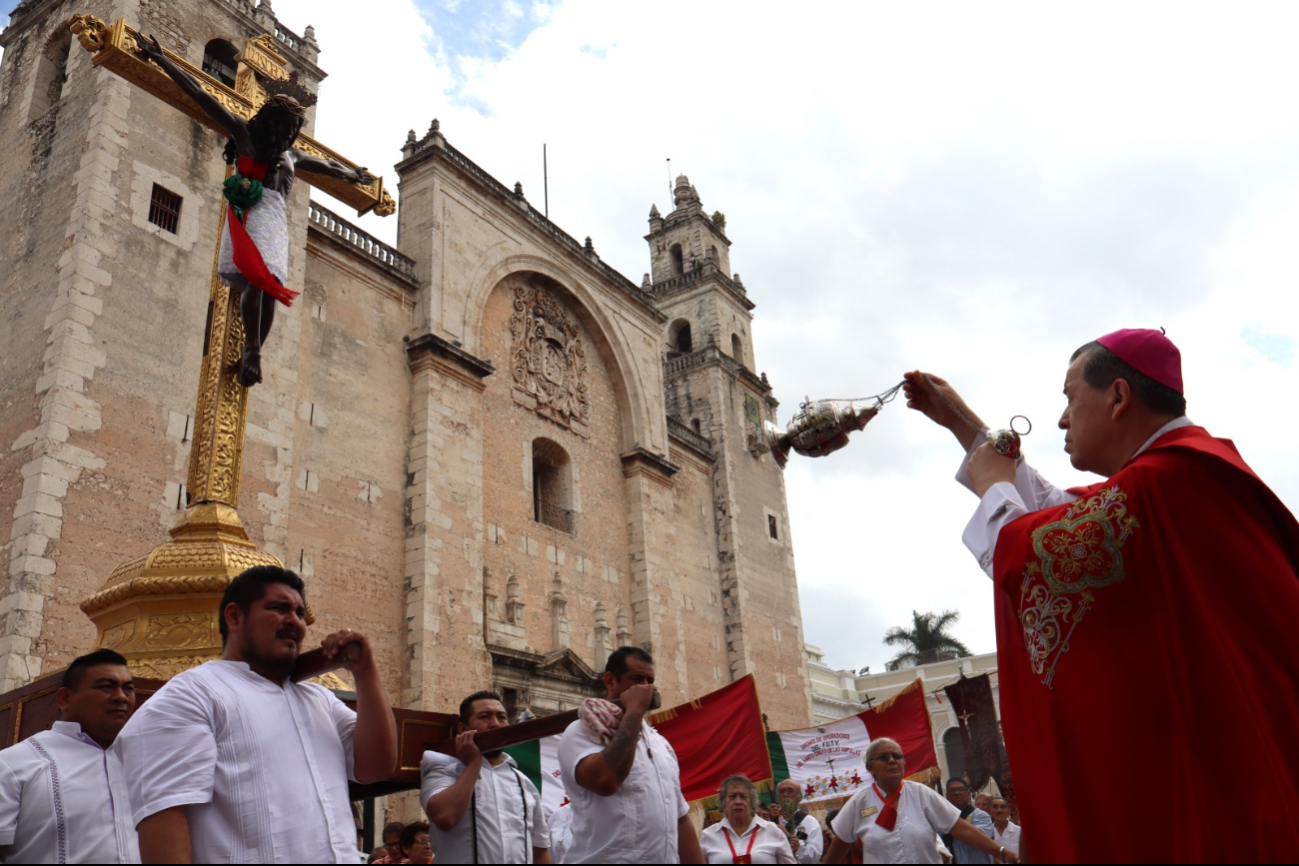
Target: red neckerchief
747 856
888 816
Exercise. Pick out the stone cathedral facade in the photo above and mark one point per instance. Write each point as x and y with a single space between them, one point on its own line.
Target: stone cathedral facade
485 448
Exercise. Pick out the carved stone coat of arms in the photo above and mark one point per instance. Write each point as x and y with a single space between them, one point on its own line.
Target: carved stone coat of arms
548 357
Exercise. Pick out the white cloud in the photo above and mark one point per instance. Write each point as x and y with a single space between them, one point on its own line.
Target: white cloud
971 189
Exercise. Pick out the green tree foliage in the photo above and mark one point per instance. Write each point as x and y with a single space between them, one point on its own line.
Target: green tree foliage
927 636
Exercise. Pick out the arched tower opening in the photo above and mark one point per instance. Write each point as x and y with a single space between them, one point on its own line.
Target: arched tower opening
552 484
220 60
680 338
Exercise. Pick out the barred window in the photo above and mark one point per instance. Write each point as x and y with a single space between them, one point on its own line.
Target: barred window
164 209
772 527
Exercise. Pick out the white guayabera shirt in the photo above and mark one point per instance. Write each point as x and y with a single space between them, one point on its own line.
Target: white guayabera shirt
505 812
263 767
639 823
63 799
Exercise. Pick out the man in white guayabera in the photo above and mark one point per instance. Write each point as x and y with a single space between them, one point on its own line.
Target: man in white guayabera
63 796
233 762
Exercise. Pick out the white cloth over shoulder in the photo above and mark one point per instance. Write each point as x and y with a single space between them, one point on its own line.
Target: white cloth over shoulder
63 799
262 766
922 813
763 841
638 824
267 223
506 810
1004 503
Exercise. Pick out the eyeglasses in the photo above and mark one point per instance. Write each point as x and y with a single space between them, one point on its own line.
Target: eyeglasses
889 757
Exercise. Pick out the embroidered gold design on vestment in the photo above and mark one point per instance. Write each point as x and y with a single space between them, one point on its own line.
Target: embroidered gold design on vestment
1074 555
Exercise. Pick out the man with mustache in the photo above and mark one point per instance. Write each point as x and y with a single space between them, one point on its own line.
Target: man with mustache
1151 612
63 795
481 808
232 761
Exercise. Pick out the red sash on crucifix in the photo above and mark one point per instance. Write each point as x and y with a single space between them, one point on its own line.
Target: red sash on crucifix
888 816
747 856
247 258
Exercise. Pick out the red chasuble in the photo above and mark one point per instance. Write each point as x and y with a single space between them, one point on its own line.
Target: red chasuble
1149 677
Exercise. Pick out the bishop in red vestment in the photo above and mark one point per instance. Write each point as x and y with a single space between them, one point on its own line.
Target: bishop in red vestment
1145 624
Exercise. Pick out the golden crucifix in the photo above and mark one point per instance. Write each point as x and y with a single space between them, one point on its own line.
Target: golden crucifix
160 609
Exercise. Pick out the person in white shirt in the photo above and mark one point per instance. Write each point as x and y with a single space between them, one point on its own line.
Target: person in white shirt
741 836
626 792
63 798
481 808
232 761
804 831
898 821
561 832
1005 831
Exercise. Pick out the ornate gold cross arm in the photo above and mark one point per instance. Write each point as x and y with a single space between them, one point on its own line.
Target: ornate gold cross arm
113 47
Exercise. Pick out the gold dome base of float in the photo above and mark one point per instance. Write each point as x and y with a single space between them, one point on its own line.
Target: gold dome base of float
160 610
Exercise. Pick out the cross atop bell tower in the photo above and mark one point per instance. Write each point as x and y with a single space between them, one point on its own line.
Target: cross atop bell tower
688 239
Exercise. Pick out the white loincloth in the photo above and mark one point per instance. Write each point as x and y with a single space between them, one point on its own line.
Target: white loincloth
268 225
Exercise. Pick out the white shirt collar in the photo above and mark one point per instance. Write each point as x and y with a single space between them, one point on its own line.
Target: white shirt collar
754 826
73 730
1175 424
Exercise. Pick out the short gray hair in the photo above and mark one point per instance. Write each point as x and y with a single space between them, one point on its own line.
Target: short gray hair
876 745
739 779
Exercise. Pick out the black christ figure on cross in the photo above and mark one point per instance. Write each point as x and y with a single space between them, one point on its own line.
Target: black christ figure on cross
268 139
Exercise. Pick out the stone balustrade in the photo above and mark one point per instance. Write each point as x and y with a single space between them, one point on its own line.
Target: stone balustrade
373 248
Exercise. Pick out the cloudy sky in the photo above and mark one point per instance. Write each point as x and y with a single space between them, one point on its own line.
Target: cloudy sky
972 189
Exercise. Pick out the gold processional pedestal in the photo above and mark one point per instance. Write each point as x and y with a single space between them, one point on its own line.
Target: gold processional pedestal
160 609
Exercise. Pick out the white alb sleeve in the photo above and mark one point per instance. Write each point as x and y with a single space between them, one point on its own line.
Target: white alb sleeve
998 507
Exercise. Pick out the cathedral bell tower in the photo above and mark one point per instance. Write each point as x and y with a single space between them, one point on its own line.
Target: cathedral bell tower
711 389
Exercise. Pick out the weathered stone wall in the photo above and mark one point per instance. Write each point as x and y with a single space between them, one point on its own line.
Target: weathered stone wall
388 457
591 561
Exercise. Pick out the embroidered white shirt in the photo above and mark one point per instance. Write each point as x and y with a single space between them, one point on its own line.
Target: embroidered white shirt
63 799
1008 840
638 824
263 767
809 851
769 843
561 833
506 809
922 813
1004 502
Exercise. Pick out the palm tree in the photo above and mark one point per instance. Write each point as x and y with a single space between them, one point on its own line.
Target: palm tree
925 640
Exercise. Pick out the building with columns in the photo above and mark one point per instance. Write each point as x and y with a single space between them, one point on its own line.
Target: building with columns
840 693
483 446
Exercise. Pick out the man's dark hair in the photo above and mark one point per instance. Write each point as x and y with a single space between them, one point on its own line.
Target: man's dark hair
467 705
617 663
1102 367
250 586
76 671
392 828
951 782
409 833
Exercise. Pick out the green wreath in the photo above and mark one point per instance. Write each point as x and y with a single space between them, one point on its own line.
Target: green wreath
242 193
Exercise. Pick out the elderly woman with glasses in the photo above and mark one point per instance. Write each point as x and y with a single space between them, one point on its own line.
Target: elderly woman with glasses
741 836
898 821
